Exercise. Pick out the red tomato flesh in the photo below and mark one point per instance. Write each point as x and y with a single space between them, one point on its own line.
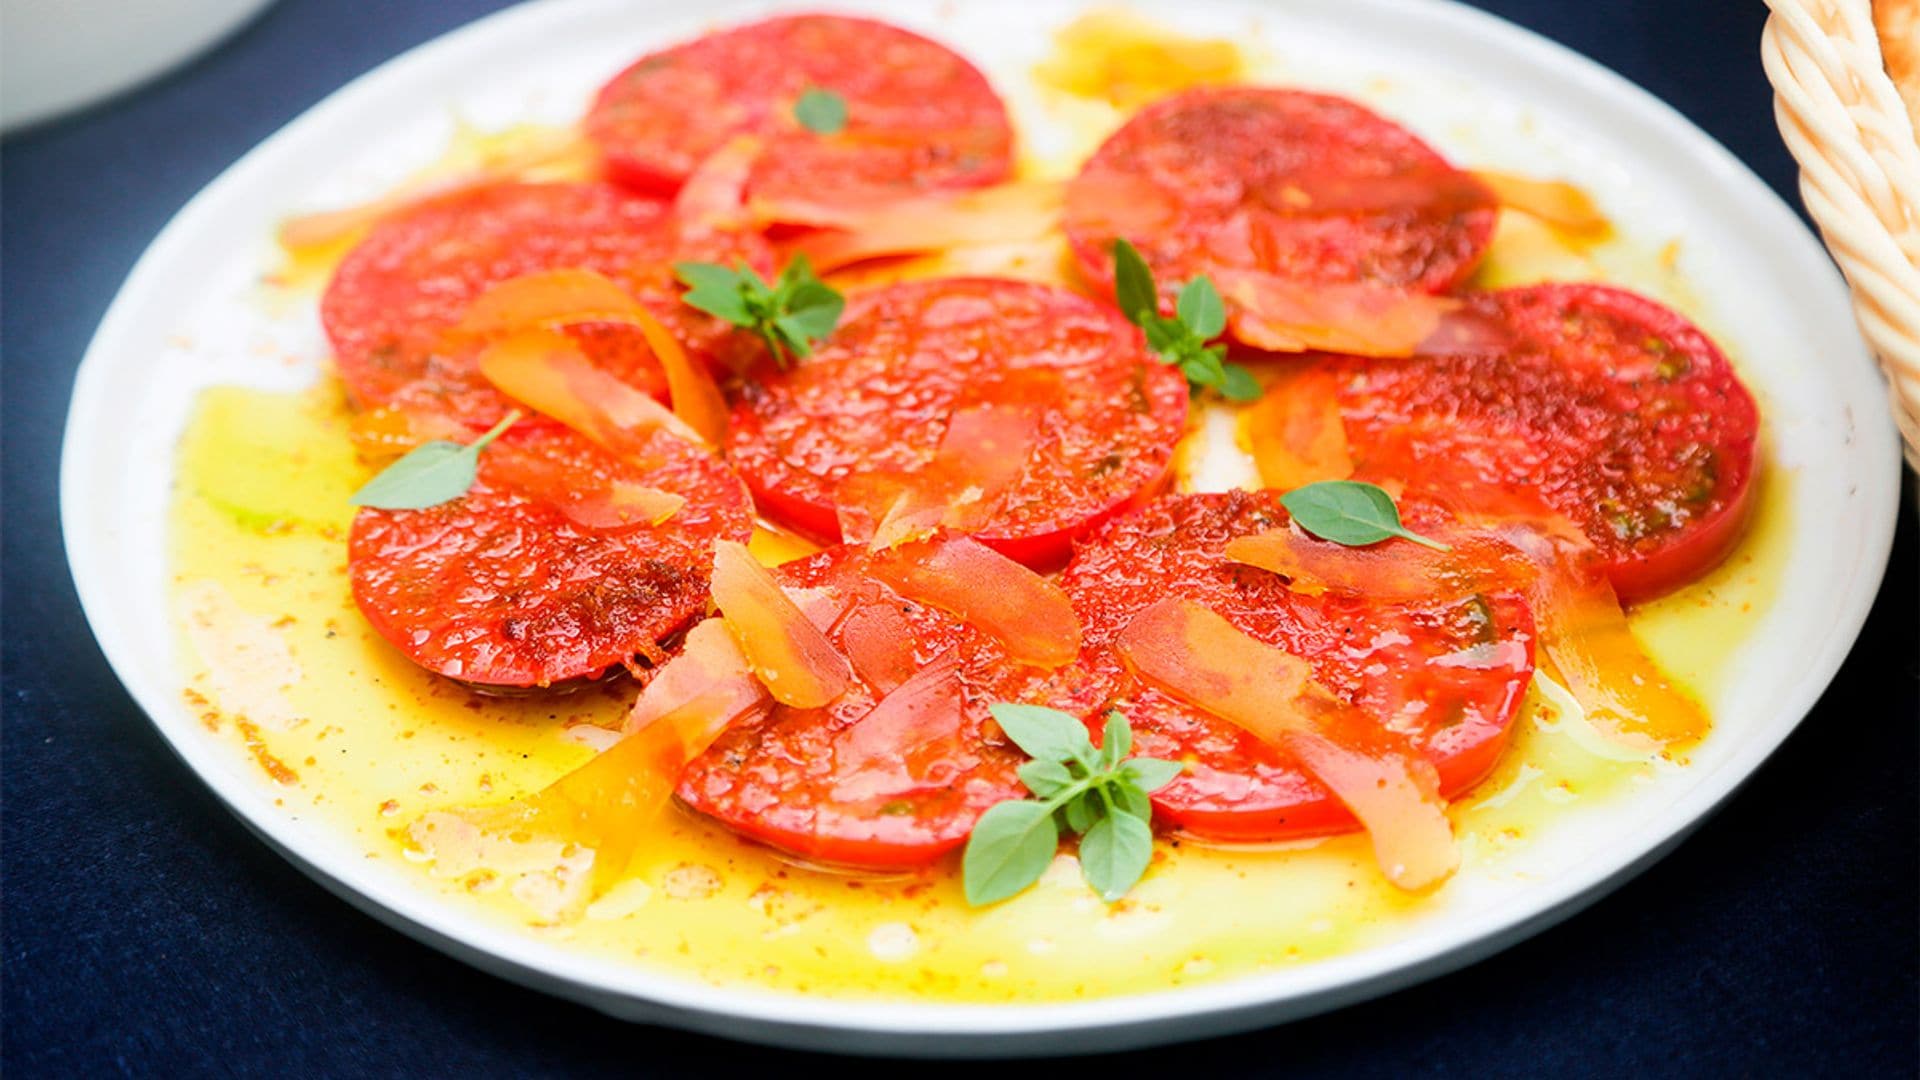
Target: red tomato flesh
1609 408
1449 675
877 398
505 588
800 780
919 116
397 293
1251 178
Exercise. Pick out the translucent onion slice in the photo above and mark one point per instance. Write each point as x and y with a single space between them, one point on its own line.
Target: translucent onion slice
1119 204
554 299
1626 696
854 232
1439 194
1555 202
1583 630
983 452
1296 432
1030 616
715 195
879 643
792 657
1280 314
1426 193
1190 652
547 371
708 678
888 751
600 506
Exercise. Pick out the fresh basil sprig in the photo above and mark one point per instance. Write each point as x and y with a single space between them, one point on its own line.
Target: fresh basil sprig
430 474
1199 317
1350 512
1100 794
822 112
789 315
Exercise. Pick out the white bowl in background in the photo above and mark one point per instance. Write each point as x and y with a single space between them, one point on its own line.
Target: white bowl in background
61 55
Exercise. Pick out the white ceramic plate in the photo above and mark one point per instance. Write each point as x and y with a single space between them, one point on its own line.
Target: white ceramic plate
1490 94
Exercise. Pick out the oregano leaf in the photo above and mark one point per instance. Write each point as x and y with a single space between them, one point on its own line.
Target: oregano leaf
1350 512
1011 846
1114 853
430 474
822 112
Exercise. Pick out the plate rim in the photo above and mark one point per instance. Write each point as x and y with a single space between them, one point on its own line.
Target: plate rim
953 1029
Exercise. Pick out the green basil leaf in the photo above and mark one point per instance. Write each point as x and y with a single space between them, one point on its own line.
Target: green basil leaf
1165 336
1133 286
716 290
1116 741
822 112
1201 309
797 272
430 474
1043 733
815 307
1011 846
1081 811
1350 512
1150 774
1045 778
1114 853
793 333
1129 799
1240 385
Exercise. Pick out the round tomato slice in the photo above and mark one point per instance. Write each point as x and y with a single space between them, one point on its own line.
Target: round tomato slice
397 293
878 398
552 567
1309 187
919 116
1448 675
896 771
1611 409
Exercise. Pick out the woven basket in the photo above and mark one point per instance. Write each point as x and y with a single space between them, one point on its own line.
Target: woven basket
1859 174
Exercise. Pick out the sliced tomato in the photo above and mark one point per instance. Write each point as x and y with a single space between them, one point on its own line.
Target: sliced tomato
895 772
1305 187
391 303
513 586
1609 408
919 116
877 400
1448 675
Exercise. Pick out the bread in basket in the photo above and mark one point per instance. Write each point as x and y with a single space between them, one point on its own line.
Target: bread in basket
1834 66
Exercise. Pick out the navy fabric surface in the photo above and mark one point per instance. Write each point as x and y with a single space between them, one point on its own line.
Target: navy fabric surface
146 932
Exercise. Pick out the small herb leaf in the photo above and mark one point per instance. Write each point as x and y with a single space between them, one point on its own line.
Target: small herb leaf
1200 315
1101 795
1201 309
1116 742
1240 385
1350 512
1133 285
822 112
1114 853
430 474
1045 778
1042 733
1151 774
1080 812
1129 799
790 317
1011 846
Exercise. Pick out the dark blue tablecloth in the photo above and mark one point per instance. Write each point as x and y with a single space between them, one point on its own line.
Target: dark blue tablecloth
146 932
